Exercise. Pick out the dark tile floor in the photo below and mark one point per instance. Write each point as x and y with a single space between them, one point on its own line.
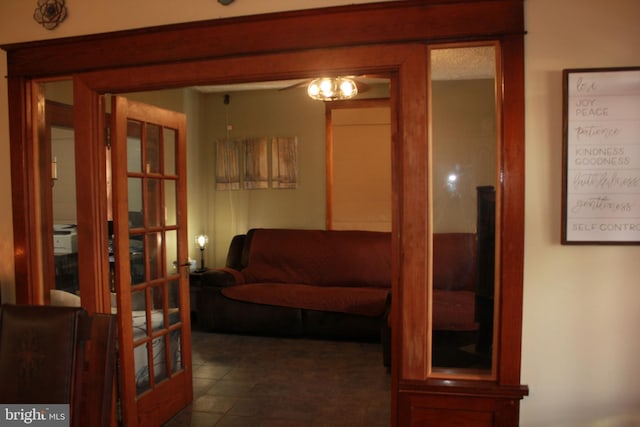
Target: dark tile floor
252 381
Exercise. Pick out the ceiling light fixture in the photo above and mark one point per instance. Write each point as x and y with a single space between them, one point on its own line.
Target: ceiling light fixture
332 88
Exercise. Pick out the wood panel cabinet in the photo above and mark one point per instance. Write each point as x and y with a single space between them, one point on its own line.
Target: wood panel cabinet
470 410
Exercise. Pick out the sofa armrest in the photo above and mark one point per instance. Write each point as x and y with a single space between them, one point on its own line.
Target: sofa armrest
222 277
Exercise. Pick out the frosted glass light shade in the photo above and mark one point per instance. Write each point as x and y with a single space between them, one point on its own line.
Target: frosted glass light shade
332 88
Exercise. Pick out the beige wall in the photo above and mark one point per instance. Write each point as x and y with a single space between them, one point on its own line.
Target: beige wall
268 113
582 303
463 144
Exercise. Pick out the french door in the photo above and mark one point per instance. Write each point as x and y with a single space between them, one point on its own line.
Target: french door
149 253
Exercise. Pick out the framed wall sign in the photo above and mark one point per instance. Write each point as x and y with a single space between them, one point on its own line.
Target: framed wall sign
601 156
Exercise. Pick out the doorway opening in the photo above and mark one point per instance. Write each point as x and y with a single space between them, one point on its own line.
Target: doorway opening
212 116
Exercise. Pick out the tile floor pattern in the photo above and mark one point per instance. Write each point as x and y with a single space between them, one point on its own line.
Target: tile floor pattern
247 381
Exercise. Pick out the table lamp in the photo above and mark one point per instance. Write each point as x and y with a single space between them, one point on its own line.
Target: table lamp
201 242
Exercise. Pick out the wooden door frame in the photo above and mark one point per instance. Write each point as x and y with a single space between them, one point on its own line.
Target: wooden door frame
406 65
297 45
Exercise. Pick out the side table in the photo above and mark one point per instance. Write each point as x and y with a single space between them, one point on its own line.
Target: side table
195 285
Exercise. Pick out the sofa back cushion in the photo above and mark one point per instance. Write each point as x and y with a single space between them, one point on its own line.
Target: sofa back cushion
455 262
318 257
234 255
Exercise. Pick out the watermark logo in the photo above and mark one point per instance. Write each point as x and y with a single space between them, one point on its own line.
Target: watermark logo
37 415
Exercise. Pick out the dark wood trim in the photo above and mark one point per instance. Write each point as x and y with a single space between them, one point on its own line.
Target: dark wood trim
415 228
387 22
59 114
468 387
396 245
44 120
28 270
93 256
512 215
275 66
125 329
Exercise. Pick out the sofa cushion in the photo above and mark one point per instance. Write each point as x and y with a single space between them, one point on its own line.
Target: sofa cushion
234 255
319 257
454 310
342 299
454 261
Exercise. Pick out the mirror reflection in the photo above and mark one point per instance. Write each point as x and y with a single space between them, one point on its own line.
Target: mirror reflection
464 176
57 150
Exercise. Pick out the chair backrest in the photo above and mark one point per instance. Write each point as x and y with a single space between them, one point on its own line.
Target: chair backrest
41 351
58 355
98 383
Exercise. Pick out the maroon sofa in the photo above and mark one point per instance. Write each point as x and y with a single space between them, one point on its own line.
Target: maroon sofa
334 284
455 278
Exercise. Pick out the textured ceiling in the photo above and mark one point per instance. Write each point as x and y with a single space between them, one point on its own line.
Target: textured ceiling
463 63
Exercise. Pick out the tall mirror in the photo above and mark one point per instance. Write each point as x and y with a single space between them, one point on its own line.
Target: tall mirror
57 150
464 177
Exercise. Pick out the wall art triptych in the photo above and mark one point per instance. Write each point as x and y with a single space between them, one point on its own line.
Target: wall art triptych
257 163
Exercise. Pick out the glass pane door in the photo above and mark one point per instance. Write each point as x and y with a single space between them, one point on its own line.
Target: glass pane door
152 287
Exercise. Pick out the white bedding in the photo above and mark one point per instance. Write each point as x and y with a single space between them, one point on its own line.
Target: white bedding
158 344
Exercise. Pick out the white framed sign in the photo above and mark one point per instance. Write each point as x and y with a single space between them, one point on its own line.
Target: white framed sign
601 156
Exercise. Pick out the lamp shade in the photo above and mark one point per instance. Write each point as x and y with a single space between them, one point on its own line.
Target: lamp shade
202 241
332 88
